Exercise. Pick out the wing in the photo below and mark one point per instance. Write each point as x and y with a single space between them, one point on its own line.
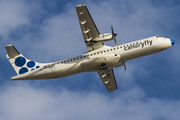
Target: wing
88 28
107 77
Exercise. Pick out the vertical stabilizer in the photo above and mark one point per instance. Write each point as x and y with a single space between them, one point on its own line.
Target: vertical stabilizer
20 64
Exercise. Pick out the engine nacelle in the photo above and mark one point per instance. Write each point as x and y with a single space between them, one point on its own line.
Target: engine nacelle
100 63
104 37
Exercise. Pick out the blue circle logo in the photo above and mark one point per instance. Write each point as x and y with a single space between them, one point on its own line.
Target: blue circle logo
37 67
31 64
20 61
23 70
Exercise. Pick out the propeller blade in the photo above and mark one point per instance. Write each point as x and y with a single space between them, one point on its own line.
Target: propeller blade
115 40
112 29
124 66
114 35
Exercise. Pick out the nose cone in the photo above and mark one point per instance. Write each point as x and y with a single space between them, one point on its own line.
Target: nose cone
172 42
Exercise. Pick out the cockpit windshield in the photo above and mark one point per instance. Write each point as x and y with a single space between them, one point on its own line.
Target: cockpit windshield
158 36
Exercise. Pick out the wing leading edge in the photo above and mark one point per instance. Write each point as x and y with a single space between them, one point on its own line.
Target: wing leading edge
88 28
107 77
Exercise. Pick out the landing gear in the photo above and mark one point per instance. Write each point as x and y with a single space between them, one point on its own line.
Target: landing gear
103 69
103 64
125 66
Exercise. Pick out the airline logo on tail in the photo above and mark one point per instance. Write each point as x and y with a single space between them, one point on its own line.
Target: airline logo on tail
19 62
25 65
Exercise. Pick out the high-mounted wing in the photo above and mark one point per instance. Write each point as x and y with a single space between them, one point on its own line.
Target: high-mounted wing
88 28
107 77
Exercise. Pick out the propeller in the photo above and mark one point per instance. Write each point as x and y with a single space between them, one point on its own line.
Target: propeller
124 66
114 35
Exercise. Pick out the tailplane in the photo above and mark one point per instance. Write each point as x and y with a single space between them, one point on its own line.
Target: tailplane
20 64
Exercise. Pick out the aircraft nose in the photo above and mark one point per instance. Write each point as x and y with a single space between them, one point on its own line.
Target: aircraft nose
172 42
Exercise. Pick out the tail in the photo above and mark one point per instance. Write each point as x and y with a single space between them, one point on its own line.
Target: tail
20 64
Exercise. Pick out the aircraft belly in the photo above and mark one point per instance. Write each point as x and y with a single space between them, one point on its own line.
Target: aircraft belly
100 63
91 64
41 73
63 70
47 74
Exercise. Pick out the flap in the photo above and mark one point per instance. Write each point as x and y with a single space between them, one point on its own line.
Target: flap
107 77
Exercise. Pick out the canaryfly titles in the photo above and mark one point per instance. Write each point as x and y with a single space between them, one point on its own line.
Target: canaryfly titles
138 44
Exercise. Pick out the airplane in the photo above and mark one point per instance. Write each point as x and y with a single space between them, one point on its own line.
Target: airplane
99 57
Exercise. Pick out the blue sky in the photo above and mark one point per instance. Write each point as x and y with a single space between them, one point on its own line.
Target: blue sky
48 31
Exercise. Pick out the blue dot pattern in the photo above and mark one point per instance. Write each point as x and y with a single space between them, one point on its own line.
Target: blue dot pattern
20 61
31 64
23 70
37 67
32 69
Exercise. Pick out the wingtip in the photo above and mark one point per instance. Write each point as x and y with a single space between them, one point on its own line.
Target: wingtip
81 5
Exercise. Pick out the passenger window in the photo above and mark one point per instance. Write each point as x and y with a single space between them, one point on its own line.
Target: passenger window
97 52
114 48
67 60
64 61
108 50
74 58
94 53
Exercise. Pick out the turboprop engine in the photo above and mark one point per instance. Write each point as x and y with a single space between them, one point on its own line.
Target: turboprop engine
104 37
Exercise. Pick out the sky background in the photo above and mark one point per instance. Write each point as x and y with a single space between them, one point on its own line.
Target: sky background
48 31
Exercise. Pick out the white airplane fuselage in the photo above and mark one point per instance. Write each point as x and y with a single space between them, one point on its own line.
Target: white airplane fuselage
100 59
